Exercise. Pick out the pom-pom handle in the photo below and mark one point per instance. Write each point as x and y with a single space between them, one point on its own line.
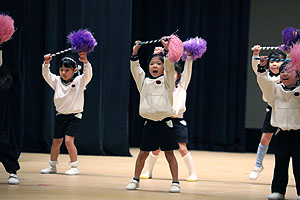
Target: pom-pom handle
274 59
60 52
266 48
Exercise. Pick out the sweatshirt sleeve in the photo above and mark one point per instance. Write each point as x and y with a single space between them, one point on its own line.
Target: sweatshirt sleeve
48 76
1 58
87 73
187 72
255 63
169 71
267 86
137 73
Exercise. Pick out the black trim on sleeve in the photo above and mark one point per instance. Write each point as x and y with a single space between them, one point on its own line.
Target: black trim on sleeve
134 57
261 69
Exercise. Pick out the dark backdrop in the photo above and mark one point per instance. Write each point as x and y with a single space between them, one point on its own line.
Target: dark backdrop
216 95
42 27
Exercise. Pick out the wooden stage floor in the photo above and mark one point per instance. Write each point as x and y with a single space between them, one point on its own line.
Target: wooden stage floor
221 176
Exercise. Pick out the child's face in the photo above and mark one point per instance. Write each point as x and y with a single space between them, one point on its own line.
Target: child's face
156 67
288 78
67 73
274 66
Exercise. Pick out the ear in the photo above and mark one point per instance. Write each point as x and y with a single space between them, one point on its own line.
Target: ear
76 70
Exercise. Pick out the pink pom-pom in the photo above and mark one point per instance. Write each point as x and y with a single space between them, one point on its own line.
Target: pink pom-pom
175 49
6 28
295 55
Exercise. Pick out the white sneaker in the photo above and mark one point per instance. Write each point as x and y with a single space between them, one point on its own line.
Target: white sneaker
51 169
276 196
298 197
192 178
73 171
146 175
13 179
256 172
133 185
175 188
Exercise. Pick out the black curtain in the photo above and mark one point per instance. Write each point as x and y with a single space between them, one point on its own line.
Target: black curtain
42 27
216 94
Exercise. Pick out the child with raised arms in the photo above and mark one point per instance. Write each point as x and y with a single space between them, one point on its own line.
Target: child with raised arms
156 100
69 102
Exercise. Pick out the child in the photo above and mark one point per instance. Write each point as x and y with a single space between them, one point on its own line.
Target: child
156 102
267 129
284 98
68 100
179 124
8 156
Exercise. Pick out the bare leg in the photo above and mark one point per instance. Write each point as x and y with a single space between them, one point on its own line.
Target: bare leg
183 149
69 141
266 138
55 149
172 164
140 162
151 163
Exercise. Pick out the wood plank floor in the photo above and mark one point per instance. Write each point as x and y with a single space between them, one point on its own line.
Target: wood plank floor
221 176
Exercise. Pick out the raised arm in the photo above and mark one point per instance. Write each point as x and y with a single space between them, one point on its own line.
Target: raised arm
137 73
48 76
1 57
267 86
169 71
135 68
187 72
256 51
87 68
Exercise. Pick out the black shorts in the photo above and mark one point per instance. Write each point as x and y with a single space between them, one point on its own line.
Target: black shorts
181 130
66 125
267 127
158 135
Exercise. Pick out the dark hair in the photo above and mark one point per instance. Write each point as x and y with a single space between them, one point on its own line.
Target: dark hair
277 54
160 56
5 79
178 67
68 63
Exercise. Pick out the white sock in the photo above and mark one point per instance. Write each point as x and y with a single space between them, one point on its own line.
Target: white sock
151 162
189 163
74 164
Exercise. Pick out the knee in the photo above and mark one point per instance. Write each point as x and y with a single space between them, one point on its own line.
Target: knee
183 151
156 152
56 143
266 138
69 142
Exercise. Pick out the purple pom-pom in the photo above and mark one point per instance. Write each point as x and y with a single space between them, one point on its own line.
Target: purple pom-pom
175 49
195 46
82 41
6 28
290 36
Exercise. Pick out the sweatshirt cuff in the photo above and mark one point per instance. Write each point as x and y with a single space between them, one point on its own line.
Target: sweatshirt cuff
46 65
134 57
